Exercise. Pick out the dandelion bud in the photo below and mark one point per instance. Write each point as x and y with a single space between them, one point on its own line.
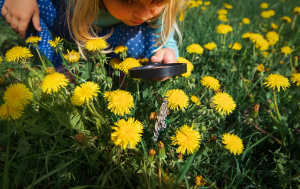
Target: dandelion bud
6 75
273 50
151 154
193 80
153 116
281 62
102 56
202 128
34 68
161 150
255 110
50 70
213 139
10 70
295 57
270 104
179 156
167 182
296 61
211 105
79 137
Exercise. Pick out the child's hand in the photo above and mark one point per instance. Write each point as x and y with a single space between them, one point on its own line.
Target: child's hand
165 56
18 14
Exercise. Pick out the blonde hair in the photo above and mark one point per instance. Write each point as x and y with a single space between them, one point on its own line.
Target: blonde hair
85 13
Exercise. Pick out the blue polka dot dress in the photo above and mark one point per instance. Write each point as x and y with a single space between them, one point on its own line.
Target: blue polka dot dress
139 39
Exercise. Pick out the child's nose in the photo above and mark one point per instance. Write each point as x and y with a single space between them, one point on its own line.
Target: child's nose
144 13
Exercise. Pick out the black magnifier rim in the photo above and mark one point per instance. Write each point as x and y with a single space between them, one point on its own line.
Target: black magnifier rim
154 70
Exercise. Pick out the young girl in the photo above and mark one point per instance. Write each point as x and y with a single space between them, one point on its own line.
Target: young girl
146 27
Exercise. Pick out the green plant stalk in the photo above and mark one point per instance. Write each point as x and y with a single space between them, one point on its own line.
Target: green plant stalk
291 63
6 166
38 51
254 56
280 29
294 21
122 81
102 64
198 100
35 73
98 115
138 90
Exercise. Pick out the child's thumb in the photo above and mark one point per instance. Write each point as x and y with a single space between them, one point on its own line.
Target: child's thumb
156 59
36 20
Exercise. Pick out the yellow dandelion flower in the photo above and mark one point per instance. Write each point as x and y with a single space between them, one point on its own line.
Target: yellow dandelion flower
296 10
115 63
260 68
195 100
107 94
223 103
120 49
127 133
227 6
193 4
144 60
187 139
264 5
265 14
274 26
33 39
223 29
72 56
189 65
262 44
236 46
272 37
210 46
199 2
194 48
222 17
181 16
266 54
203 8
96 44
206 3
246 20
17 53
233 143
84 93
50 70
17 95
286 50
177 99
120 102
129 63
222 11
247 35
55 42
210 82
199 181
286 19
281 62
14 113
296 78
1 59
271 12
276 81
53 82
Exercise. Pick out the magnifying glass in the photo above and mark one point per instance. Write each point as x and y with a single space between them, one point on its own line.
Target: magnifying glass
153 70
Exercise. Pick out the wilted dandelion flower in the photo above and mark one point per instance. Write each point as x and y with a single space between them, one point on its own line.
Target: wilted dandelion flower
276 81
96 44
286 19
222 11
33 39
50 70
286 50
296 78
17 53
72 56
14 113
120 49
127 133
115 63
53 82
246 20
223 29
274 26
222 17
129 63
233 143
194 48
236 46
210 82
195 100
199 181
120 102
296 10
55 42
187 139
84 93
177 99
223 103
17 95
260 68
210 46
264 5
207 3
189 65
272 37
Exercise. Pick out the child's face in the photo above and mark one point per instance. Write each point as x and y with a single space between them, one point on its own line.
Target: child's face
132 14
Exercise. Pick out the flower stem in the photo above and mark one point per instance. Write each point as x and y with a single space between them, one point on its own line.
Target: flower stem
38 51
198 100
294 21
291 63
6 166
35 73
122 81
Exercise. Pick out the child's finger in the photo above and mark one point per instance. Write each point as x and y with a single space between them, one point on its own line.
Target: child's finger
22 28
8 18
36 20
4 11
15 24
169 57
156 58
